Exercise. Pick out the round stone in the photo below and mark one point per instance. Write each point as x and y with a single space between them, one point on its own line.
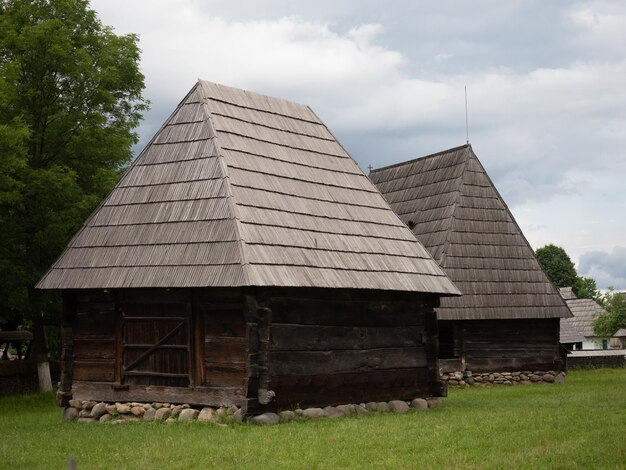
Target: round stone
434 402
137 410
265 418
313 413
398 406
70 414
286 416
207 414
176 410
187 415
346 409
332 412
76 404
382 406
162 414
149 415
98 410
419 404
122 408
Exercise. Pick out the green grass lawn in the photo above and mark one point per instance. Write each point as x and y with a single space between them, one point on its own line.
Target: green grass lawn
578 425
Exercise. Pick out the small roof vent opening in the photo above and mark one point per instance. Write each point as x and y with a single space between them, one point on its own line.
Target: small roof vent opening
411 224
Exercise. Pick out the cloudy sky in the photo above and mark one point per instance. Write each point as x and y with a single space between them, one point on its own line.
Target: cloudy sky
546 91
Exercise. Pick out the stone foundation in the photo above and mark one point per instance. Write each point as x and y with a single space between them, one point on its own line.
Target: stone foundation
487 379
85 411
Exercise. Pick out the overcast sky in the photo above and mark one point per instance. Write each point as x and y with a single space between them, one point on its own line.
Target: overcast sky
546 91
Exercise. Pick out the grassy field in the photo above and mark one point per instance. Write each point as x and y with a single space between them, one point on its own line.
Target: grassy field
578 425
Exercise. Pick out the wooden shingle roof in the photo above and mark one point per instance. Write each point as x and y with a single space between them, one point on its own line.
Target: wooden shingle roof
456 212
240 189
584 311
569 332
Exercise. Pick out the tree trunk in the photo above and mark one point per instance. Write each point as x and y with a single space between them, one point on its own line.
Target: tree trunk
41 355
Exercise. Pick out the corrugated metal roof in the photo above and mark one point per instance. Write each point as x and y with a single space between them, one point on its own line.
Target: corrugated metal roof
455 210
240 189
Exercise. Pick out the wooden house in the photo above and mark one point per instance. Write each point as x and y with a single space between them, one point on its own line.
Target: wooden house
244 256
585 313
508 316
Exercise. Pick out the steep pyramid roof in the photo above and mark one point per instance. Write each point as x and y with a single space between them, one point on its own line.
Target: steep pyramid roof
456 212
240 189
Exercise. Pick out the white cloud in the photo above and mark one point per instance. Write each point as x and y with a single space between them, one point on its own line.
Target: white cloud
599 27
607 268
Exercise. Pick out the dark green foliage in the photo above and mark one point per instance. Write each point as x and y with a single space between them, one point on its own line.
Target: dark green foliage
70 97
587 288
615 318
561 271
557 265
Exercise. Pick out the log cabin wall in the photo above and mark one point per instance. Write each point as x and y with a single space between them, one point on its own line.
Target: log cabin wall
230 346
171 345
511 345
94 330
222 352
352 347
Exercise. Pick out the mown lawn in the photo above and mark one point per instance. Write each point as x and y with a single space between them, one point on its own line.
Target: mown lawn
578 425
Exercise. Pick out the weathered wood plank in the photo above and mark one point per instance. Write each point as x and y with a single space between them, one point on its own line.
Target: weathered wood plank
334 362
225 350
209 396
101 371
197 322
313 337
217 295
348 294
225 322
102 324
311 311
350 387
432 345
225 375
94 349
155 296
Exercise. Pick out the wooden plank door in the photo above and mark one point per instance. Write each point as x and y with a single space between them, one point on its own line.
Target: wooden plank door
157 344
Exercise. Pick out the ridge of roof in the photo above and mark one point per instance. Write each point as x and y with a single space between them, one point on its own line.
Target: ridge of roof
436 154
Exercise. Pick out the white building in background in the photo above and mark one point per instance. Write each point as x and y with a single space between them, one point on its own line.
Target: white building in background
585 312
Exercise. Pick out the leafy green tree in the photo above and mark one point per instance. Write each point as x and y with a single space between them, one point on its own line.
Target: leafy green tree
560 269
70 99
557 265
587 288
615 318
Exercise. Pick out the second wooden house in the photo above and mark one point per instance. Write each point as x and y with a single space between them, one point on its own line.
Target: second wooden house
508 317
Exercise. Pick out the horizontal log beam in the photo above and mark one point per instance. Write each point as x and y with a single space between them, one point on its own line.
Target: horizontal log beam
334 362
208 396
287 337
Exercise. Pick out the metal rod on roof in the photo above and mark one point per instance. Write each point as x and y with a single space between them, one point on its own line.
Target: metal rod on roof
466 124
